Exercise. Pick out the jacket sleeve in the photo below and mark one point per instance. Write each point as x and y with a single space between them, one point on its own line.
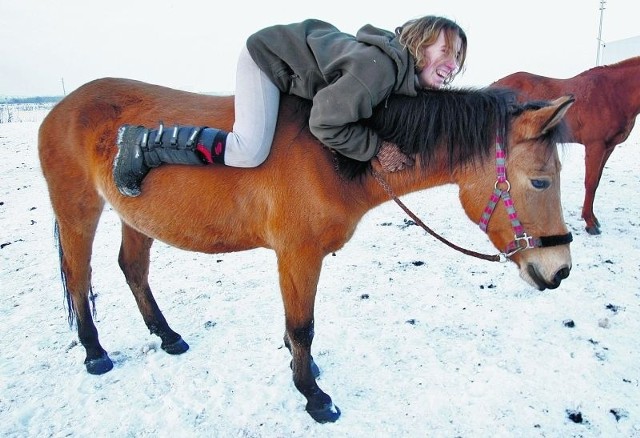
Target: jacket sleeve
335 115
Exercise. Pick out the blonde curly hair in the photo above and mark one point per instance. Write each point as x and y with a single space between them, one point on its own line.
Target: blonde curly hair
419 33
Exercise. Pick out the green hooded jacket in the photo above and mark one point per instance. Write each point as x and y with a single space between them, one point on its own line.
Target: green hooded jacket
344 76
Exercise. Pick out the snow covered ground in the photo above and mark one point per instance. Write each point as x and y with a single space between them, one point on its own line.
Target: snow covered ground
413 338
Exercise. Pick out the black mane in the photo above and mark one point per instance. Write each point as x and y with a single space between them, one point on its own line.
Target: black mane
464 121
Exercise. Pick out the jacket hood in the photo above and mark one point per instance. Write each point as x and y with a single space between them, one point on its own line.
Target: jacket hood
407 80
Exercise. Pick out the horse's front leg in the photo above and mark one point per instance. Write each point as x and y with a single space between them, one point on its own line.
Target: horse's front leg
315 369
299 274
134 262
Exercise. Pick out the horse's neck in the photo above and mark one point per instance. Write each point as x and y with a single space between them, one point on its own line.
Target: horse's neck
403 183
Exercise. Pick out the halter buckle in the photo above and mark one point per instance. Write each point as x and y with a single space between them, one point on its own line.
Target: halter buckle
520 243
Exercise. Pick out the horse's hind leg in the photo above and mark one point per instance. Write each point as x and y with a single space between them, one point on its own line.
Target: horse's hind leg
596 156
299 274
76 222
134 262
64 149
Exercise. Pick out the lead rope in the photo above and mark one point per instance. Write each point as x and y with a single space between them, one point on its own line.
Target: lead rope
416 219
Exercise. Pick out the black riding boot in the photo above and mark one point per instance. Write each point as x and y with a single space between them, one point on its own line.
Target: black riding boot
140 149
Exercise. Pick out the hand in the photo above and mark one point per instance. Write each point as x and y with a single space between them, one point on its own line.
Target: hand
392 159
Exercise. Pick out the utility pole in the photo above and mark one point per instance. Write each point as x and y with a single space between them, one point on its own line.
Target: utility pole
600 43
64 92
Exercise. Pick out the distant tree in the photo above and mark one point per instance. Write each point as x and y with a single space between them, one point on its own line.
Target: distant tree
34 99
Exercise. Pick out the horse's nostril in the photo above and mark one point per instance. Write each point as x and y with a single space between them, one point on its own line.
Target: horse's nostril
557 279
561 275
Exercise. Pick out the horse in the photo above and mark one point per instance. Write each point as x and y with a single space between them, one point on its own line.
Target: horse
607 103
303 203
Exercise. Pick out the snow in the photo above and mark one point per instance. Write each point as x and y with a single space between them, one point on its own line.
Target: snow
412 337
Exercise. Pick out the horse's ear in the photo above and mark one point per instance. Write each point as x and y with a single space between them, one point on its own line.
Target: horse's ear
537 123
560 107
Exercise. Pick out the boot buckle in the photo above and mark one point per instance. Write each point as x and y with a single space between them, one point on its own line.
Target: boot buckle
174 136
192 137
158 140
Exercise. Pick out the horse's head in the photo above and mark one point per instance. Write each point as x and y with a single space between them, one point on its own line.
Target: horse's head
527 223
513 191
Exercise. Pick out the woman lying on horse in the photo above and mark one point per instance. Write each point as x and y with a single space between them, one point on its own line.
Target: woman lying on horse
344 76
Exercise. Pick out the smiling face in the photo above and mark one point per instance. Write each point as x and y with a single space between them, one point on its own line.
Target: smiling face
441 61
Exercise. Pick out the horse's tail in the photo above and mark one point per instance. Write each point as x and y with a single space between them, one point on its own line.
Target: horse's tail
71 313
63 277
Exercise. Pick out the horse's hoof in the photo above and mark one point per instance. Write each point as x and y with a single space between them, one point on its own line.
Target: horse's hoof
99 366
593 230
328 413
177 347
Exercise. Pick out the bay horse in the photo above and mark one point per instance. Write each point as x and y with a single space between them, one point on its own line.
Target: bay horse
304 202
607 103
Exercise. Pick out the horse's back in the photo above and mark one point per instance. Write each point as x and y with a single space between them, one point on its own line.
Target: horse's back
77 146
124 100
532 86
82 128
76 140
588 89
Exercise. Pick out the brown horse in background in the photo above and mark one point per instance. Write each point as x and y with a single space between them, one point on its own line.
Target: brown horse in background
607 103
300 203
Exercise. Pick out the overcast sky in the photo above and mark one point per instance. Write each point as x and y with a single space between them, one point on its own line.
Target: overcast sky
193 45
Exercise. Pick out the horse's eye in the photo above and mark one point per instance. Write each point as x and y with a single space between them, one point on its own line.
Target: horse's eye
540 184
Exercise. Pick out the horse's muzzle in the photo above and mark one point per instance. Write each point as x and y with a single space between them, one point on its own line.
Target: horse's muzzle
543 284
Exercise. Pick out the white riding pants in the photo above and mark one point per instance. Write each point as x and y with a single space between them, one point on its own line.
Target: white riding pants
257 100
